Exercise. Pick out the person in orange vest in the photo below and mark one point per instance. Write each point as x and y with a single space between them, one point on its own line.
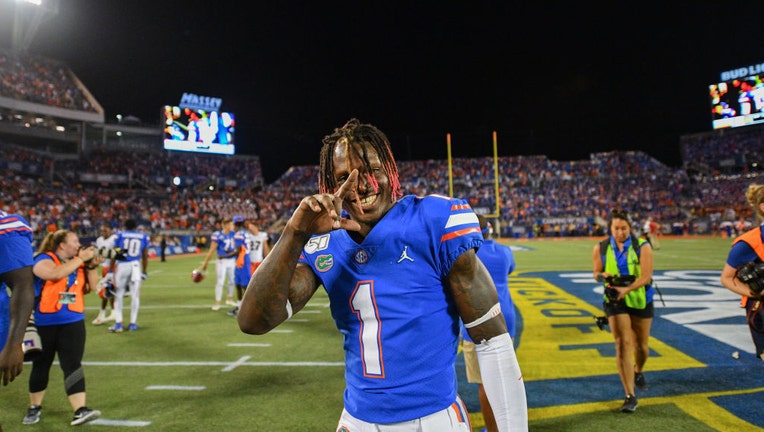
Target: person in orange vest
749 248
64 272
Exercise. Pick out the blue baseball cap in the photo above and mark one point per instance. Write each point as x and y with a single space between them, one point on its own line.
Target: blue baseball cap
238 219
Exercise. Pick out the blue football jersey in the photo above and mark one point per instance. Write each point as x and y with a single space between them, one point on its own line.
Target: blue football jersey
400 326
132 243
15 252
226 242
243 271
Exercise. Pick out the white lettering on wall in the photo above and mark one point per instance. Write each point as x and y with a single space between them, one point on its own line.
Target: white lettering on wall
191 100
743 72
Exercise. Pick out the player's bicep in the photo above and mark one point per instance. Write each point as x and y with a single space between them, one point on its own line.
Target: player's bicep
19 277
304 284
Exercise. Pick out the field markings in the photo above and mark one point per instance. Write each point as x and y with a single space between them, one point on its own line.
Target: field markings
175 387
213 363
697 405
121 423
259 345
238 362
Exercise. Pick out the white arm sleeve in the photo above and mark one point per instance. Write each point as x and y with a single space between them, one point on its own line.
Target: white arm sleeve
503 382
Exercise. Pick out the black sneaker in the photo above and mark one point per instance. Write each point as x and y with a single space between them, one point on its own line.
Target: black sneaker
33 414
233 312
84 415
639 381
629 404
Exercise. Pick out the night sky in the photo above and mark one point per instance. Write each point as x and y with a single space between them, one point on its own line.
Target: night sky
563 79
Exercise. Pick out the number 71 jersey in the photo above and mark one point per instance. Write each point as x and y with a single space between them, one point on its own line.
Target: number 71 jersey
400 327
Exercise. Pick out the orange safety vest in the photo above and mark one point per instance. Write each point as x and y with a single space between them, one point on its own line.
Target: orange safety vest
51 289
753 238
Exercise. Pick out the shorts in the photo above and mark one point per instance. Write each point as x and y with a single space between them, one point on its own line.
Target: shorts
451 419
617 308
471 365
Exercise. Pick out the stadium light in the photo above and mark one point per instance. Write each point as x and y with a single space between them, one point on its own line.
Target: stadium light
29 15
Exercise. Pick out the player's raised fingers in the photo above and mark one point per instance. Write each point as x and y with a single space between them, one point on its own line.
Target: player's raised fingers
349 186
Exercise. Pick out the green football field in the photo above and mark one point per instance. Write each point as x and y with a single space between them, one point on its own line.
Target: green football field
189 368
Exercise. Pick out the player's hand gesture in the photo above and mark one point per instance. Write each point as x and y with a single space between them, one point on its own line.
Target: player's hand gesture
321 213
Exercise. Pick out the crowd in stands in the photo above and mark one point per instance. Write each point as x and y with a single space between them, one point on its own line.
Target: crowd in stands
194 168
40 80
725 151
537 196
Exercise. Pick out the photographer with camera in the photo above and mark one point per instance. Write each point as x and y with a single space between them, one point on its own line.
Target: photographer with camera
623 263
64 273
744 272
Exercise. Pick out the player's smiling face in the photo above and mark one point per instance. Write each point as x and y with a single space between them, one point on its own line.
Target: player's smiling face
374 192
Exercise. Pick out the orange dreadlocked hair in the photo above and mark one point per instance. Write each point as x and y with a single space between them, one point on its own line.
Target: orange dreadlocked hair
355 131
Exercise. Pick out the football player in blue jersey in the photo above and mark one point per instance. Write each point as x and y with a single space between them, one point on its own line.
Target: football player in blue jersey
15 273
224 244
400 272
243 270
129 273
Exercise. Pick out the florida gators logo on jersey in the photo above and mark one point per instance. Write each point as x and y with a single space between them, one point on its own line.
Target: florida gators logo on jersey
324 262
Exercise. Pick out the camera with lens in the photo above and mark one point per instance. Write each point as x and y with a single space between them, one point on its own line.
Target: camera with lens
617 281
601 321
752 273
109 253
620 280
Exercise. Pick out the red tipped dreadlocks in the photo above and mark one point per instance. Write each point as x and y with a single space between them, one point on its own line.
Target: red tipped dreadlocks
355 131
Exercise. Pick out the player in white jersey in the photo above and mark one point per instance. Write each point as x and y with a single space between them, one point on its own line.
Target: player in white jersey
257 246
222 242
105 243
258 243
130 273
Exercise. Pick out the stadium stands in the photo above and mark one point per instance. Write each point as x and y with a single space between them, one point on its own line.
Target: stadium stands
537 196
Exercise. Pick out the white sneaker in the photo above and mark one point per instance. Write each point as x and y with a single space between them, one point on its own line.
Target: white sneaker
100 319
230 302
111 317
216 307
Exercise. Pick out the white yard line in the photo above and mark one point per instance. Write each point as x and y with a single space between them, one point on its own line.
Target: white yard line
119 423
176 387
213 363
